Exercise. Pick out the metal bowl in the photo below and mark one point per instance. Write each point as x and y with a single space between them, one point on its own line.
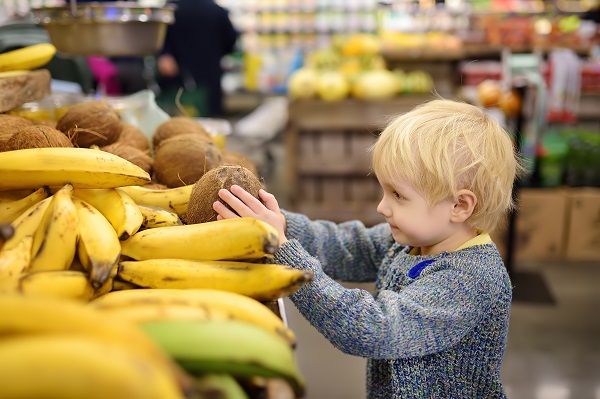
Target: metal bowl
108 29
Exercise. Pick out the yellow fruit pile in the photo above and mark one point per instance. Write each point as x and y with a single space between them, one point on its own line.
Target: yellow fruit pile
91 246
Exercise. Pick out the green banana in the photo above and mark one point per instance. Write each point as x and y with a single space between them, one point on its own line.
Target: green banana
222 386
227 346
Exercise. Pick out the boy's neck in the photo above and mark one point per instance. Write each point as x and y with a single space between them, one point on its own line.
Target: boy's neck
458 238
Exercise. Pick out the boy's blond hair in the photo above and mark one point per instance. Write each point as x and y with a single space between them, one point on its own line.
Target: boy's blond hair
444 146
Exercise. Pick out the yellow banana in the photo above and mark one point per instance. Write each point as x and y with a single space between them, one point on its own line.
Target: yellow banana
155 217
27 223
27 58
81 167
71 367
66 284
240 238
116 206
174 199
55 240
211 302
14 261
36 315
120 285
13 195
98 247
9 211
261 281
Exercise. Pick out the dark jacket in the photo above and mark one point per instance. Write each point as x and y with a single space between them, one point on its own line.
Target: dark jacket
201 35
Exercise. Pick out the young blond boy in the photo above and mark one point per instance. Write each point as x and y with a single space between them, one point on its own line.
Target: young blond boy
437 325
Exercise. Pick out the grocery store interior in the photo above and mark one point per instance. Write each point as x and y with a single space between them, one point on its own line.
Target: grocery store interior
306 88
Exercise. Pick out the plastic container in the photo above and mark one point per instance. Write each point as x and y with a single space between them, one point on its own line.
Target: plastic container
219 129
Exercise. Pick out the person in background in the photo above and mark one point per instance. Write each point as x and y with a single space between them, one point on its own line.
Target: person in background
195 43
437 325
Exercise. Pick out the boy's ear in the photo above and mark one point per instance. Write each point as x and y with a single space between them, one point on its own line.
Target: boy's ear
463 206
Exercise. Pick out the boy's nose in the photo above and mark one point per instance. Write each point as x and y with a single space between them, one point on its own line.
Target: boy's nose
382 209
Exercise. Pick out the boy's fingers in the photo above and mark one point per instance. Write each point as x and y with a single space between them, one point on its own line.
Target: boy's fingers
251 201
234 202
269 200
223 212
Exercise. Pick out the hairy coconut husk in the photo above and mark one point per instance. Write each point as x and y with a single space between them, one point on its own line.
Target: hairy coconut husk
179 125
45 122
10 124
183 159
132 154
36 136
235 158
93 122
134 137
206 191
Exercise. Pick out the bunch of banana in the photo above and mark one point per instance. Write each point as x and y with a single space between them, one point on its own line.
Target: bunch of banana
261 281
141 306
117 207
231 239
77 352
10 210
227 346
81 167
173 199
27 58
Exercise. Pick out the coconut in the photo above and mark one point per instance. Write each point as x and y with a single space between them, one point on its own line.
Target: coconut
36 136
183 159
179 125
134 137
156 186
93 122
46 122
10 124
132 154
235 158
206 191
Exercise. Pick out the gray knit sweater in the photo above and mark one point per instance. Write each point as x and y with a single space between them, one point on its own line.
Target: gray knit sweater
437 325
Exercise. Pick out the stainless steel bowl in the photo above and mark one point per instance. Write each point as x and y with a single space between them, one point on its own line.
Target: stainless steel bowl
109 29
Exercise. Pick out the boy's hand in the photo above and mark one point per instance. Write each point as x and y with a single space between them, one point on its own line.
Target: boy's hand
246 205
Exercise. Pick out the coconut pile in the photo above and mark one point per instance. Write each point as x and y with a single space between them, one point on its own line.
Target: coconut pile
182 151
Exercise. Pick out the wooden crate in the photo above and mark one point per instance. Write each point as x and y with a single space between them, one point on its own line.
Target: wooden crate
328 157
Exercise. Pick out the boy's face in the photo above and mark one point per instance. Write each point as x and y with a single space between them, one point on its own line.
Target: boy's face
412 220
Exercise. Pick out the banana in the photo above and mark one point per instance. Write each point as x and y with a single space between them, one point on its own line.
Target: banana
261 281
81 167
13 195
9 211
27 58
220 386
7 231
120 285
240 238
14 261
235 306
155 216
36 315
144 313
229 346
116 206
27 223
68 284
174 199
98 247
71 367
55 240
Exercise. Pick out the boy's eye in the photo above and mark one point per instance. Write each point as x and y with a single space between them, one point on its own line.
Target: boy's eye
397 196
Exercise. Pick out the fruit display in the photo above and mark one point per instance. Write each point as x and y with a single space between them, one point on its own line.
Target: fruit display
105 285
354 67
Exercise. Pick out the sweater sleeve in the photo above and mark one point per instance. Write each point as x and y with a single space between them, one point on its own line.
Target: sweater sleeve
348 252
429 315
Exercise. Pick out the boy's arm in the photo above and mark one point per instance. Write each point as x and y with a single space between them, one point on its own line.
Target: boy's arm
428 316
348 251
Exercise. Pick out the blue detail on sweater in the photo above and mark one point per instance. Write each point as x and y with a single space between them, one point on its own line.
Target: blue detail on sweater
418 268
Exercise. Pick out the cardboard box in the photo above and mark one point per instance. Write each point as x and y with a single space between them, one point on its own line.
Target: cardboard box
540 225
583 242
